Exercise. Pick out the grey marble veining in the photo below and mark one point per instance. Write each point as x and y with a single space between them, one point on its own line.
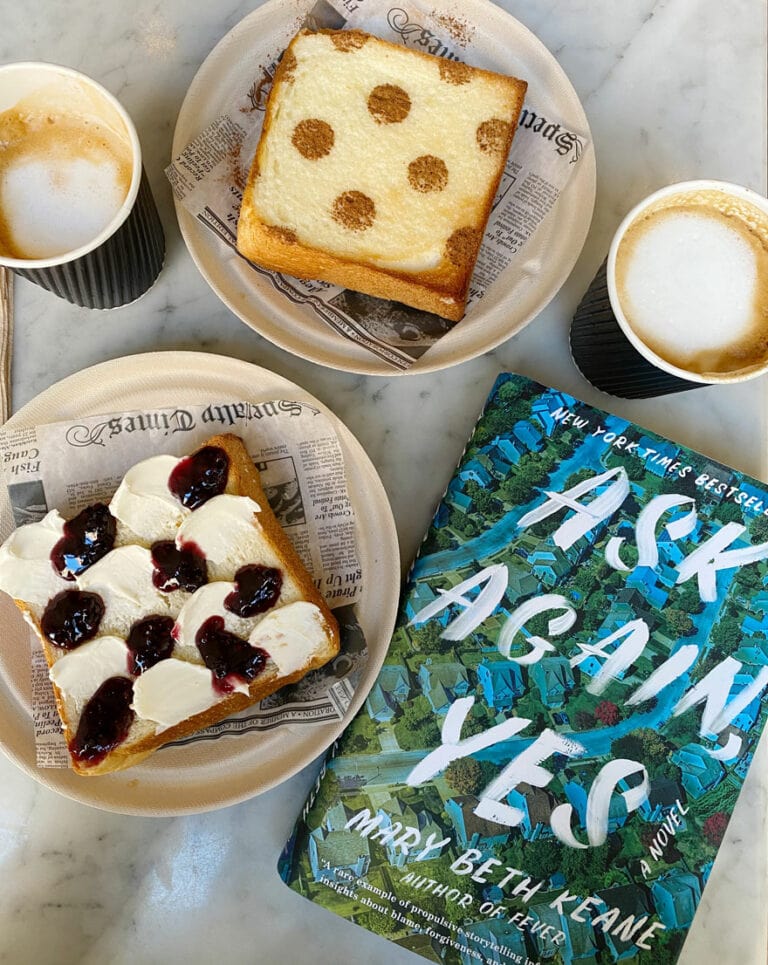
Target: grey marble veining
673 89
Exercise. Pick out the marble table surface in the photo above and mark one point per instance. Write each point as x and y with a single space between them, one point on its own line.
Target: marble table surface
673 89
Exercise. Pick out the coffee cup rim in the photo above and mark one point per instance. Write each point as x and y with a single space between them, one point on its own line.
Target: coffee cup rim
680 187
136 170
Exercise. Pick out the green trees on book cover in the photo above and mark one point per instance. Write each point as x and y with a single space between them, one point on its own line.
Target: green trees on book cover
546 765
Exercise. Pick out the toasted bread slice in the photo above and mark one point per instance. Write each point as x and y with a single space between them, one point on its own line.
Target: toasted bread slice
280 632
377 168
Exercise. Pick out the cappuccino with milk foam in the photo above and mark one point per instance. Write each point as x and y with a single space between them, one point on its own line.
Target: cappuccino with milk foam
691 279
64 176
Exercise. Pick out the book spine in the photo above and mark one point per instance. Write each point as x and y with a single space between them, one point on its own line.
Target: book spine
286 860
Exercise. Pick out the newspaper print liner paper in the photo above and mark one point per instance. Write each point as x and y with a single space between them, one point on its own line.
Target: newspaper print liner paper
209 175
68 465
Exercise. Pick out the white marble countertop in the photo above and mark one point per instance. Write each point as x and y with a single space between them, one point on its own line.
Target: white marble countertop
673 89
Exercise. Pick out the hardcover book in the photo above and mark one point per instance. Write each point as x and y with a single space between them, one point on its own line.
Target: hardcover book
547 763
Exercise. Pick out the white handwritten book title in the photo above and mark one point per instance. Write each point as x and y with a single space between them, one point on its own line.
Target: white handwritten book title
616 653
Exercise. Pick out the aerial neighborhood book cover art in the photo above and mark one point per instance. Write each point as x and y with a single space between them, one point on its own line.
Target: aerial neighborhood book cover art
546 765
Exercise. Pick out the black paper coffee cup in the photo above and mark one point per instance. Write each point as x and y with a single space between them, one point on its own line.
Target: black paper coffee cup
680 301
605 356
119 270
122 259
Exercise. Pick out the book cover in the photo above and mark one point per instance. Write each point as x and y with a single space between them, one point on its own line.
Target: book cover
546 765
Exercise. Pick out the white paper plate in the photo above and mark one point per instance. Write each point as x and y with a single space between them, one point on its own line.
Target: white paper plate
510 304
206 775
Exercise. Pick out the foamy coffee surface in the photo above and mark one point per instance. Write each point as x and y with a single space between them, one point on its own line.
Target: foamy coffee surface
63 179
692 280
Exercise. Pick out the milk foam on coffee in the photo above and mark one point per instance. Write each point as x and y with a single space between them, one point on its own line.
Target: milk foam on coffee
63 179
692 281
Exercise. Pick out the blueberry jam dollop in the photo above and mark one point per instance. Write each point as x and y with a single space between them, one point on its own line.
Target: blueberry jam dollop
225 654
178 569
257 589
71 618
200 476
87 537
104 722
149 642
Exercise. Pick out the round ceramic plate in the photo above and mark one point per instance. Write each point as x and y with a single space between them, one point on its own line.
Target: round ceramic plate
206 775
521 292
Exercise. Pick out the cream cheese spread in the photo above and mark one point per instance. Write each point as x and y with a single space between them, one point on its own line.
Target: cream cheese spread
144 503
26 570
291 635
172 691
225 529
80 673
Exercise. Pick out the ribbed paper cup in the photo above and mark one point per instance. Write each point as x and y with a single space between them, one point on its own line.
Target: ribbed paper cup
605 347
122 261
606 357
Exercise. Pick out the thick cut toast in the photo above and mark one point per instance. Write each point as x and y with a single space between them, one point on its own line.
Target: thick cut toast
377 168
151 639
